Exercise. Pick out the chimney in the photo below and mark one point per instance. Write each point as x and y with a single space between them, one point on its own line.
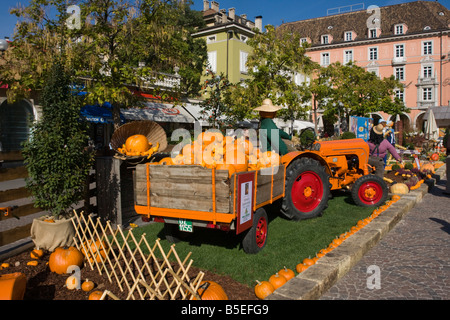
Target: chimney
258 23
215 6
205 5
244 16
232 13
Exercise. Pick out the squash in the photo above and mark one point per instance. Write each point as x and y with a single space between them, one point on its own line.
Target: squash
210 290
32 263
12 286
427 167
277 280
62 258
399 188
287 273
73 282
96 295
87 285
263 289
37 253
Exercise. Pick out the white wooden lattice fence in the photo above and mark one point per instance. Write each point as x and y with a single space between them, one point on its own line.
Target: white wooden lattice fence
141 270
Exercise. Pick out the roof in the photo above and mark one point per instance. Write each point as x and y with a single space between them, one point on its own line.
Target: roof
415 15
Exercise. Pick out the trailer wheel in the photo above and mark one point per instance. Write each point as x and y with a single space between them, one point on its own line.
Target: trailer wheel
173 234
256 237
369 190
307 190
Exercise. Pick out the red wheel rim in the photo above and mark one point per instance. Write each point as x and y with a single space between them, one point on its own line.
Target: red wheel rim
261 232
307 191
370 193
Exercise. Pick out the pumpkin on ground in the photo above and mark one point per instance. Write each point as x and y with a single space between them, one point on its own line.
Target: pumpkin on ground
97 248
96 295
87 285
399 188
37 253
277 280
301 267
62 258
287 273
263 289
210 290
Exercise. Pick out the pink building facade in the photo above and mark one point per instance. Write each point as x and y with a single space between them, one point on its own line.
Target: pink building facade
410 41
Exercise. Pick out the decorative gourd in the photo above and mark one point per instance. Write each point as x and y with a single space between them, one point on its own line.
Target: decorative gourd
399 188
87 285
96 295
37 253
12 286
277 280
72 282
32 263
62 258
263 289
98 250
210 290
427 167
287 273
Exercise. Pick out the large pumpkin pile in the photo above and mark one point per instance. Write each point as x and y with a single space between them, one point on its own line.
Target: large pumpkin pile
212 150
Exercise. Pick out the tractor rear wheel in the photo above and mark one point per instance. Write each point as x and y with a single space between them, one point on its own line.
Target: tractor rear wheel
369 190
307 190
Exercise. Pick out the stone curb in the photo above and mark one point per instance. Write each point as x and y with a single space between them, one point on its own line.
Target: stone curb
312 283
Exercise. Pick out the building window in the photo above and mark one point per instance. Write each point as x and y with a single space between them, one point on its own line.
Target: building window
373 53
400 73
348 56
325 59
211 39
427 94
348 36
243 62
212 60
372 33
400 94
427 71
427 47
399 50
303 40
325 39
399 29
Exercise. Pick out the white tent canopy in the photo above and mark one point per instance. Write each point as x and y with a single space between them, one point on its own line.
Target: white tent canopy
431 128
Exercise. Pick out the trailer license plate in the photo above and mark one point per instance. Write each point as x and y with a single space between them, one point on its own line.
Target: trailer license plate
185 225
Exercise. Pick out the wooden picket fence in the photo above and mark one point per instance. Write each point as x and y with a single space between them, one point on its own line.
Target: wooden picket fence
141 270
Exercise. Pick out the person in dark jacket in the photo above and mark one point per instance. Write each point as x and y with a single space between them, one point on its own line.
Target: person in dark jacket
379 147
270 135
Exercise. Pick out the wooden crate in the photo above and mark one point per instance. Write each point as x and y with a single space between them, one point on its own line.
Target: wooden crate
191 188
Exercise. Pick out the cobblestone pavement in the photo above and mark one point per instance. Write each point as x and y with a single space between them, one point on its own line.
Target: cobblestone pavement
412 262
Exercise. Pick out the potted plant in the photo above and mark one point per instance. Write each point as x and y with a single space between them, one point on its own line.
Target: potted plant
58 160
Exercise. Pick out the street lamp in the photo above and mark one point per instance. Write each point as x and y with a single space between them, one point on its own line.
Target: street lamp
3 44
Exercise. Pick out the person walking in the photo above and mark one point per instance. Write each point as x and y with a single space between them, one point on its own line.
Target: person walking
379 147
447 162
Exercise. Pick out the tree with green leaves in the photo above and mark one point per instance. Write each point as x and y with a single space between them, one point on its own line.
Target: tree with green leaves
357 92
275 60
56 155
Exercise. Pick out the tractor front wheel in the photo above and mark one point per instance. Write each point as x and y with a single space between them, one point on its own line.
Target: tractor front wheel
369 191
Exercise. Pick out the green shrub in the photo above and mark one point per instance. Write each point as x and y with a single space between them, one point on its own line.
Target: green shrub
348 135
395 167
57 156
409 166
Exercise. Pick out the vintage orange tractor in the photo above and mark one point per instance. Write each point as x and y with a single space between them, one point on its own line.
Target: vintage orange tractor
187 197
322 166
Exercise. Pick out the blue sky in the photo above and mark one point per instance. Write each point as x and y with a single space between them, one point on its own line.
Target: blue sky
274 12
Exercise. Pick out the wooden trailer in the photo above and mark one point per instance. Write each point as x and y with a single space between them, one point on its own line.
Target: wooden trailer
186 197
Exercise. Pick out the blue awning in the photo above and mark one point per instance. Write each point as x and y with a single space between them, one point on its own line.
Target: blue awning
99 114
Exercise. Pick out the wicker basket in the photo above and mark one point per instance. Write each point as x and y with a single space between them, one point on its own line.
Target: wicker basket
153 131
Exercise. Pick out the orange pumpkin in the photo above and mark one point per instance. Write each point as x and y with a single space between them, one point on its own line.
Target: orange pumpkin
167 161
12 286
62 258
97 249
136 144
210 290
287 273
96 295
427 167
263 289
301 267
231 169
434 157
277 280
308 262
87 285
